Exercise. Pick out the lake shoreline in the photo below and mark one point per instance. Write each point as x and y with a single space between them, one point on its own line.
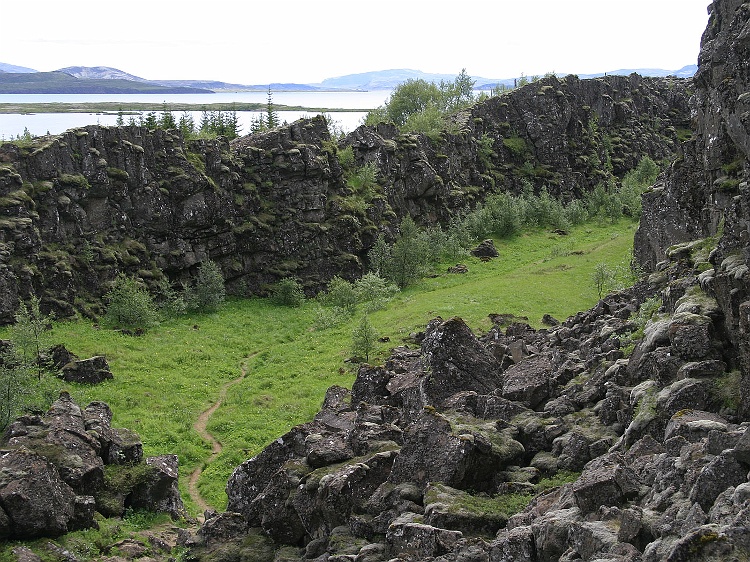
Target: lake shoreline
138 107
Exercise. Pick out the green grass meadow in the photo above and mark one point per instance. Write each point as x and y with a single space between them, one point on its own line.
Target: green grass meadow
164 379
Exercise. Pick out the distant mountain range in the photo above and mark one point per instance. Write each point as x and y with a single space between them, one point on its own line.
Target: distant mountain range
389 79
107 80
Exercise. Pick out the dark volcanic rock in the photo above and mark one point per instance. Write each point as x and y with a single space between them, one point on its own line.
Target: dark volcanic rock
88 371
60 356
650 403
160 492
62 437
528 382
486 249
35 500
52 470
273 205
457 361
462 456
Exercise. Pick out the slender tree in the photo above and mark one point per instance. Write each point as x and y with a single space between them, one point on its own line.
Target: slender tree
186 124
208 292
272 118
29 333
364 338
233 124
166 119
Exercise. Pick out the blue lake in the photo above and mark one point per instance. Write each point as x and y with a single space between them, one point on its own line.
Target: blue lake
54 123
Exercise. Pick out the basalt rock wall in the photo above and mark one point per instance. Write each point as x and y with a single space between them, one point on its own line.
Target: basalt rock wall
705 194
79 208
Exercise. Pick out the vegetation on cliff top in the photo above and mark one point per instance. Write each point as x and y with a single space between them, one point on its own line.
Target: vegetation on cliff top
421 106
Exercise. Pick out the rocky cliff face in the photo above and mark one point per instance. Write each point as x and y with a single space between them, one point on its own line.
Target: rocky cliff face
705 193
625 428
706 181
78 208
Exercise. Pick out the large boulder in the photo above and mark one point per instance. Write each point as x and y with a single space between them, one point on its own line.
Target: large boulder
463 453
252 479
606 481
87 371
118 445
74 446
449 508
457 361
61 436
326 498
410 538
723 472
528 382
486 249
160 491
35 500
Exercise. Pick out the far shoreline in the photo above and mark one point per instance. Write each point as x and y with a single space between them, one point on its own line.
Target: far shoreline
114 108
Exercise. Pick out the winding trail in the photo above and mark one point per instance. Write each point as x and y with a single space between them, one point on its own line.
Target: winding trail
216 447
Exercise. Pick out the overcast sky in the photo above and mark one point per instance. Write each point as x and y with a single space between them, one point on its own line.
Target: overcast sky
305 41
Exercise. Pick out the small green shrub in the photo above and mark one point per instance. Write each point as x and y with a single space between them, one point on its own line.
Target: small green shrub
364 179
129 305
16 376
485 150
340 293
31 334
170 301
603 277
288 292
517 146
207 292
329 317
373 291
379 255
346 157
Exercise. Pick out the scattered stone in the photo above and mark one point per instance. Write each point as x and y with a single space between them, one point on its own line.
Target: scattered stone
549 320
486 249
88 371
458 268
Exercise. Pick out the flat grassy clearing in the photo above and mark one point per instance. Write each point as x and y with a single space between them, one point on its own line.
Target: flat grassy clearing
166 378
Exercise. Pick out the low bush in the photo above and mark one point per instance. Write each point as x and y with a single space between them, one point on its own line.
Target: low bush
288 292
207 292
129 305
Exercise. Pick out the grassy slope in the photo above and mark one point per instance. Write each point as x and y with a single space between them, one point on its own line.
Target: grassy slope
165 379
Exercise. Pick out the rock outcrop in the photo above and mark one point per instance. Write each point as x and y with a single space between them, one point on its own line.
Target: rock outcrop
53 479
624 447
706 194
79 208
91 371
